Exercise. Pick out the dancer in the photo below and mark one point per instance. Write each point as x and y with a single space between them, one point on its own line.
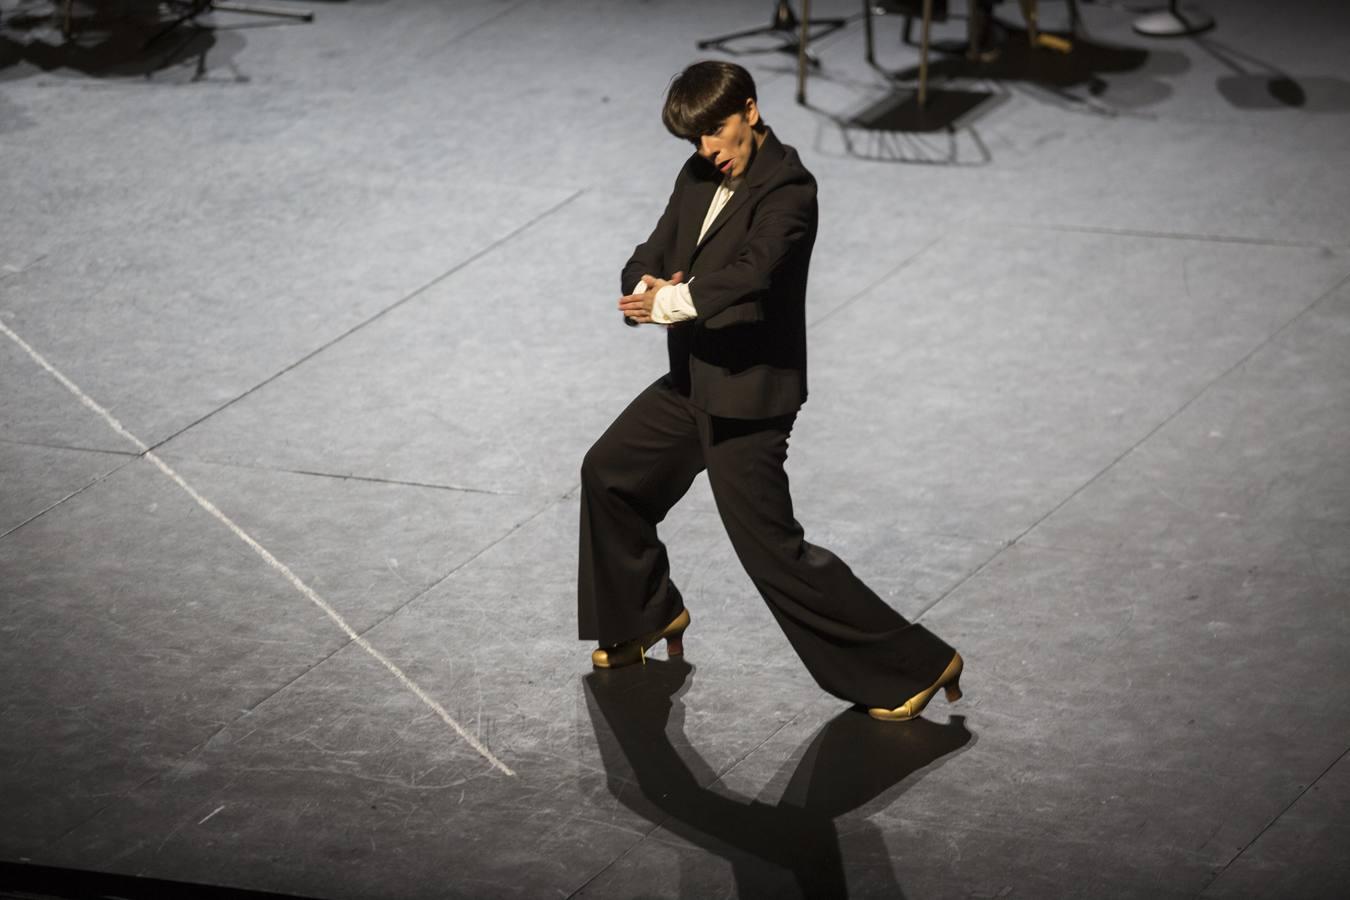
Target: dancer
725 269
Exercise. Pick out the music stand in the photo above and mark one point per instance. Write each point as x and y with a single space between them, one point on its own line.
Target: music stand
786 23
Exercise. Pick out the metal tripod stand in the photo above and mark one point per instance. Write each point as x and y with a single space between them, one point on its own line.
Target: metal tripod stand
194 8
784 22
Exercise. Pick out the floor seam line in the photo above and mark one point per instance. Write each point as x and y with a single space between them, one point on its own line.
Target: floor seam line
418 595
1271 824
1160 235
14 272
415 293
1270 338
887 276
486 22
899 529
280 568
104 477
456 488
51 446
616 860
956 587
1128 556
53 842
755 749
282 688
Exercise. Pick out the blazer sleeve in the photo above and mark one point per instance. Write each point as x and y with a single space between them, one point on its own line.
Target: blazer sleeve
649 257
782 218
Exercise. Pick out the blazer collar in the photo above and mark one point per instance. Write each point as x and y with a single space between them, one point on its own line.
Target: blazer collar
767 158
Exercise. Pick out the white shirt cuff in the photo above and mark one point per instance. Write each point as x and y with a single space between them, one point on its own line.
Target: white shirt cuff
673 303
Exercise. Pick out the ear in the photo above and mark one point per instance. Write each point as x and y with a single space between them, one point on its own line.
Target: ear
751 113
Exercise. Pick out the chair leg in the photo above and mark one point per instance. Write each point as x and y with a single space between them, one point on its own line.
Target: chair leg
1029 15
867 28
801 52
923 52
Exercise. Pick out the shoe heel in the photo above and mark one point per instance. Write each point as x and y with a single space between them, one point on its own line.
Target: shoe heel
675 635
953 690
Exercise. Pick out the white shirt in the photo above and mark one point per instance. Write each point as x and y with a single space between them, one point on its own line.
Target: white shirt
673 303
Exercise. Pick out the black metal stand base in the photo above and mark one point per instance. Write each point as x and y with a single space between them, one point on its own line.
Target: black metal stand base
1173 22
785 23
195 8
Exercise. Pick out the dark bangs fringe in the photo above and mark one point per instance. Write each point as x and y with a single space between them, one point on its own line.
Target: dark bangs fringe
702 96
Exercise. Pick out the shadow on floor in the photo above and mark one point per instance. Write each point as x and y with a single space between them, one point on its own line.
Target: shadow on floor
896 128
942 110
1078 76
29 882
1063 74
1256 84
779 849
118 40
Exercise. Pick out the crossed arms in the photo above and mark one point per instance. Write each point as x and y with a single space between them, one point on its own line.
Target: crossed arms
782 215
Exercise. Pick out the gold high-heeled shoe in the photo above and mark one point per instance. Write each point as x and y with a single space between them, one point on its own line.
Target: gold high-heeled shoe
629 652
950 681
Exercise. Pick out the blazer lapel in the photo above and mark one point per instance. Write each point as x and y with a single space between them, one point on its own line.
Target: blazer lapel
738 199
693 207
765 163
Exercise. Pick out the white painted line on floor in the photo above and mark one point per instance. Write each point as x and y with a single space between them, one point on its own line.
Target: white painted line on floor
210 815
262 551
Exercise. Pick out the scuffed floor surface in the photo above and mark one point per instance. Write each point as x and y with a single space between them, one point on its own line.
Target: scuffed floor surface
287 550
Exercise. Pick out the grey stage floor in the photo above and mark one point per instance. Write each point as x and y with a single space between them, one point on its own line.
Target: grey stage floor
1080 398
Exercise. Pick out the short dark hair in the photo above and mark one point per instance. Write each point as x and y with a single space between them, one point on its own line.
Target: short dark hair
702 96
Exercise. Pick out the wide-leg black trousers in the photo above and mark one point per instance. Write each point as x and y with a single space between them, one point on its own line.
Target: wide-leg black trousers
854 645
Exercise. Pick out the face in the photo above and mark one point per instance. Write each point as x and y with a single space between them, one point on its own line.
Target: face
730 146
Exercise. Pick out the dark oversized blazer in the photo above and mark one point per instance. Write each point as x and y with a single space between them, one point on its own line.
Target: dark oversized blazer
744 356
